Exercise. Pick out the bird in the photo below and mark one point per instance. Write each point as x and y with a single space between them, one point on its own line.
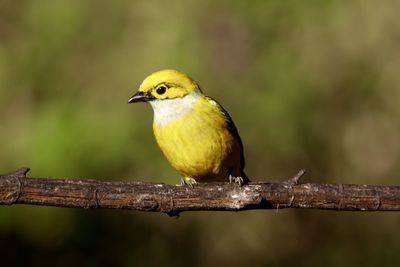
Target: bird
195 133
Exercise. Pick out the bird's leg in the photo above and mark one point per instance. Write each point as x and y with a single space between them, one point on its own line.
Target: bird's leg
190 182
236 179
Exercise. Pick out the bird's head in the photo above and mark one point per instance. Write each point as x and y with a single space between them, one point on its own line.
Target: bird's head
165 84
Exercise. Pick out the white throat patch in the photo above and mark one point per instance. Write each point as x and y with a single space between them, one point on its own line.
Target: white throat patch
168 110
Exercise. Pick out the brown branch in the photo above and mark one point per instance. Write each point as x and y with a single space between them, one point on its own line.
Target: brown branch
16 188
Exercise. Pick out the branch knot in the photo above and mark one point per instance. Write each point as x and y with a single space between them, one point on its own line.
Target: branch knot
11 184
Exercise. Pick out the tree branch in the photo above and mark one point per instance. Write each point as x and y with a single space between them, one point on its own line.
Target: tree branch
16 188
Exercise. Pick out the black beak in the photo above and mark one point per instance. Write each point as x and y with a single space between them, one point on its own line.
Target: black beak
140 97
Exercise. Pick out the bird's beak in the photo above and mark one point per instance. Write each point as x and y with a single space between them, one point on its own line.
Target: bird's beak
140 97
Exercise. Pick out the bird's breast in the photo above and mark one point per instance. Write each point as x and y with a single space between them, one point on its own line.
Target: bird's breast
196 140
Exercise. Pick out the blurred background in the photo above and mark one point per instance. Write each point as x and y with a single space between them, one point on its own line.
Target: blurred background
310 84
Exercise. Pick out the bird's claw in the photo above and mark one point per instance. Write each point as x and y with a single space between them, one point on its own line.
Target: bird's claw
236 179
190 182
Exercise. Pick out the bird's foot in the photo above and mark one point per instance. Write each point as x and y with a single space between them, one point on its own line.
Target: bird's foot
236 179
187 181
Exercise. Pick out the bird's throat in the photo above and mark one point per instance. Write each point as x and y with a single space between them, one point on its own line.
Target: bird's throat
169 110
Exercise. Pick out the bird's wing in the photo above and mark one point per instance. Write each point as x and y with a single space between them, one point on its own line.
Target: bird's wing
231 128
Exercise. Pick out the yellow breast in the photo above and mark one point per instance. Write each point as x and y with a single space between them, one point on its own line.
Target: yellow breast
195 136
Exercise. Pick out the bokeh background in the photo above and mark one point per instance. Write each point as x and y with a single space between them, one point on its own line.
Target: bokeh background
310 84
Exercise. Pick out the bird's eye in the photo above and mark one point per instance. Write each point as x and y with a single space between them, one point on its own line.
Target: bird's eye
161 90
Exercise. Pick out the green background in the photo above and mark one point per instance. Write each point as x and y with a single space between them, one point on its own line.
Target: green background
309 84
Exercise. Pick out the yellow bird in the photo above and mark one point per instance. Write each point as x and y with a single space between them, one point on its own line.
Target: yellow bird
195 133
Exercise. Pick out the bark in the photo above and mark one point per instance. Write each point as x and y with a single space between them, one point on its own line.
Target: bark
17 188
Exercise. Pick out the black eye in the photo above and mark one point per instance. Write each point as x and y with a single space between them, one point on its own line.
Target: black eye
161 90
